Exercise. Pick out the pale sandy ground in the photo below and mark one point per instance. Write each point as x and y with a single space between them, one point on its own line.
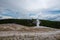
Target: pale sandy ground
19 32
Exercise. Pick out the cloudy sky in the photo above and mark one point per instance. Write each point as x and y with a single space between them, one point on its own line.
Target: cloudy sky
28 9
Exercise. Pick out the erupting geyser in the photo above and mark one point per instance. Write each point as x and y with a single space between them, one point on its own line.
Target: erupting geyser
38 22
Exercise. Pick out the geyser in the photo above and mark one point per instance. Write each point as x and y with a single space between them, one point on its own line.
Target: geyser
37 22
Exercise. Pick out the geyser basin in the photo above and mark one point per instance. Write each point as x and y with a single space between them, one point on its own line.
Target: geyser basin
19 32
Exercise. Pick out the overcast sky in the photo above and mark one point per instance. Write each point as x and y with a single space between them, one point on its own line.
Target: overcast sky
27 9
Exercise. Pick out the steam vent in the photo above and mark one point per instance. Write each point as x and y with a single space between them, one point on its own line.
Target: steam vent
19 32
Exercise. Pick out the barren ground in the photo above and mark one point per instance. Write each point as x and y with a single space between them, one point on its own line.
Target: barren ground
19 32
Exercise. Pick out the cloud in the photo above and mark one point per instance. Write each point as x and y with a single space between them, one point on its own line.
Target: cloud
30 8
5 17
30 4
46 15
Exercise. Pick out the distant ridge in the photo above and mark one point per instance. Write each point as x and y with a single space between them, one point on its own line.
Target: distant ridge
32 22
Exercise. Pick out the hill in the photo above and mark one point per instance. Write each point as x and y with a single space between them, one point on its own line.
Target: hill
17 27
